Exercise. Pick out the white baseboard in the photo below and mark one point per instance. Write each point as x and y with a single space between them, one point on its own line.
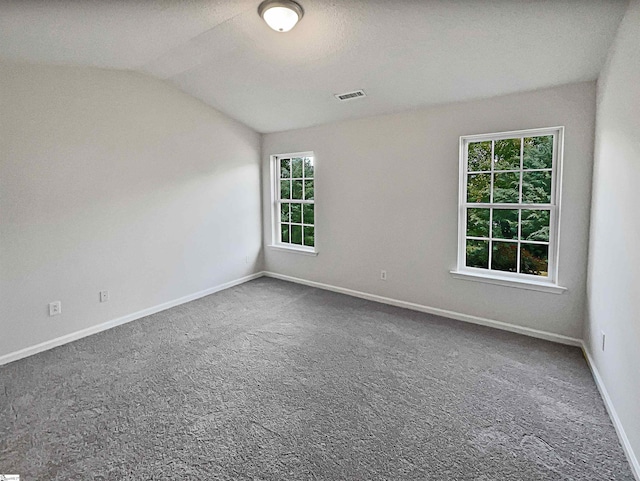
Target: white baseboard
44 346
527 331
31 350
617 424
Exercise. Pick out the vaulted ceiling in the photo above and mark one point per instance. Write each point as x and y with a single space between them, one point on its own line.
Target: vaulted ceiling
404 53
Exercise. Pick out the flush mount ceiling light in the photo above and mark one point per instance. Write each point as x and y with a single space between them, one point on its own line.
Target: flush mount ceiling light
281 16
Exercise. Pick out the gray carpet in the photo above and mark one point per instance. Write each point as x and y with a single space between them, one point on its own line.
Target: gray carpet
271 380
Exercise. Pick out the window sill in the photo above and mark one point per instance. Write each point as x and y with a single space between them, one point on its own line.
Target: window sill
294 250
510 282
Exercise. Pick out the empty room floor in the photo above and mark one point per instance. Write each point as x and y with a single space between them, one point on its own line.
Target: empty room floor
271 380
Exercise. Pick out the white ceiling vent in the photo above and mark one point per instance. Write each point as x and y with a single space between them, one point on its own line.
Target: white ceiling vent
356 94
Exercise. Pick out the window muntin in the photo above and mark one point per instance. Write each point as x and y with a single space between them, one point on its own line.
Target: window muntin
508 204
294 216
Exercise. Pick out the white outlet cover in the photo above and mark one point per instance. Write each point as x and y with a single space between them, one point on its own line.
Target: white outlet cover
55 308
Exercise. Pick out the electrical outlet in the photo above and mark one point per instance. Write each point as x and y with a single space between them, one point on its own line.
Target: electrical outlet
104 296
383 275
604 338
246 260
55 308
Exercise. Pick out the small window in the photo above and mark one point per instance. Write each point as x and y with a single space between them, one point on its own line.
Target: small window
294 202
509 205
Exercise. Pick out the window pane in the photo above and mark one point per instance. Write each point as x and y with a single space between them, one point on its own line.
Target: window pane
478 222
285 168
504 256
296 168
507 154
535 225
307 214
478 253
308 167
536 187
285 189
309 239
284 213
296 234
534 259
479 157
296 189
478 187
284 233
296 213
538 152
505 224
506 187
285 171
308 189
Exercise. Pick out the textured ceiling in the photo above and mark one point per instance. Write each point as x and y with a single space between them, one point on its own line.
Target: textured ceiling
404 54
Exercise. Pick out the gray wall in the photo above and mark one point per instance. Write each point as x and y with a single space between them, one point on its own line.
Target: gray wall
614 255
387 193
112 180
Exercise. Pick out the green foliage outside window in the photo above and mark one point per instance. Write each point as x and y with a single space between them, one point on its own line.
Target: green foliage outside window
478 253
285 168
506 187
538 152
479 188
297 216
504 256
507 154
479 158
296 168
505 230
505 224
535 225
534 259
478 222
536 187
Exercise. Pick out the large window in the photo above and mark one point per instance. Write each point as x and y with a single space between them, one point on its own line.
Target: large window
294 202
509 205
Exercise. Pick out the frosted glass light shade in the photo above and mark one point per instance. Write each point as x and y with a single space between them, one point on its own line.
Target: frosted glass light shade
280 16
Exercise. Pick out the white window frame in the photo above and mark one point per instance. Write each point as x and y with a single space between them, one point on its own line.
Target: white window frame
513 279
276 243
